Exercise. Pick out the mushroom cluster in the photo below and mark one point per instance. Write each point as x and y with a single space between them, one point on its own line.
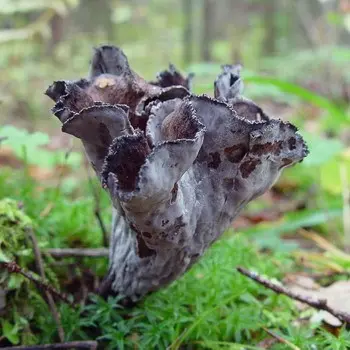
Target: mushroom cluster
178 167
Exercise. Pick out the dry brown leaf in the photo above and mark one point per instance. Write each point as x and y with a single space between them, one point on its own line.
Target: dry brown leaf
59 142
8 158
302 281
267 343
337 296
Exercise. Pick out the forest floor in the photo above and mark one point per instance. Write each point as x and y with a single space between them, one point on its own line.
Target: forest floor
295 235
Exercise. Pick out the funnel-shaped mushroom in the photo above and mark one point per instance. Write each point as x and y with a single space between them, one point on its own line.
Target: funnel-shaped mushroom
178 167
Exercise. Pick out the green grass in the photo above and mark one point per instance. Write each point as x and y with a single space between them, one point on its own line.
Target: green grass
211 307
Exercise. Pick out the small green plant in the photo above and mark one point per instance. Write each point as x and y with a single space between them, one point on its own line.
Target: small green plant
30 147
14 246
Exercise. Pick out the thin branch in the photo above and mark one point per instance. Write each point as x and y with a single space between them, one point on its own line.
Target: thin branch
13 267
56 315
102 226
40 266
37 254
97 211
320 304
77 252
88 344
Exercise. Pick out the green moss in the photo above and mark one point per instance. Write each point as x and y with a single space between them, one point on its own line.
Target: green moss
13 224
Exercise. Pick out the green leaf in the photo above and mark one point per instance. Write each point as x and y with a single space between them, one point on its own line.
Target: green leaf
3 257
10 332
268 234
15 281
331 179
321 149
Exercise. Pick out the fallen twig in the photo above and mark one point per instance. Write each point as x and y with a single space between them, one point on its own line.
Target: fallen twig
77 252
13 267
280 339
320 304
40 266
88 344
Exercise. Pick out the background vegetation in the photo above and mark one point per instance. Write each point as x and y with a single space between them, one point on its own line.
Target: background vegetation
296 58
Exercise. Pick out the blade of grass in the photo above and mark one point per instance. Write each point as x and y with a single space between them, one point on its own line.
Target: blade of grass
315 260
346 205
301 92
176 344
324 244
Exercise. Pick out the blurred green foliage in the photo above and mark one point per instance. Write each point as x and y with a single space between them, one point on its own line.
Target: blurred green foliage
297 72
30 148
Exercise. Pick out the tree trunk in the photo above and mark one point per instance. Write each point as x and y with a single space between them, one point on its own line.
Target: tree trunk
109 26
57 32
93 15
207 33
188 32
271 30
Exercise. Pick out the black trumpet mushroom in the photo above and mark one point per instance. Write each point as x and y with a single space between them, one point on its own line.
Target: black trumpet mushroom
178 167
